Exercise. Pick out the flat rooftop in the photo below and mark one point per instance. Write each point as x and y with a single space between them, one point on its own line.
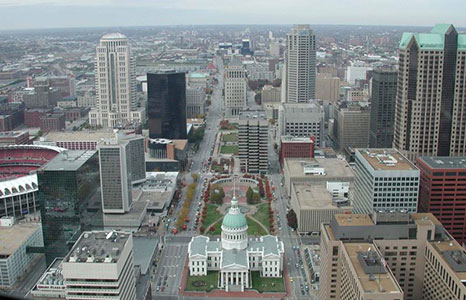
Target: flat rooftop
9 134
333 168
354 220
70 160
83 136
424 219
386 159
12 238
292 139
98 245
382 283
252 114
444 162
315 196
454 255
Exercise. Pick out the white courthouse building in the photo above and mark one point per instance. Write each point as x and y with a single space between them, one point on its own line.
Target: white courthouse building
236 255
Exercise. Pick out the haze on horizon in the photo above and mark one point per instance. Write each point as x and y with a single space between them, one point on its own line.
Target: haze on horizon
26 14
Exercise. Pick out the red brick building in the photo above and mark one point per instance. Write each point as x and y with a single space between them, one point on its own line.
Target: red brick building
298 147
442 191
32 116
14 138
52 122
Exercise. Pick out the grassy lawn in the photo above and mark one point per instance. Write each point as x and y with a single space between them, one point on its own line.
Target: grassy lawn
231 137
209 282
217 168
229 149
212 215
262 214
218 229
267 284
254 228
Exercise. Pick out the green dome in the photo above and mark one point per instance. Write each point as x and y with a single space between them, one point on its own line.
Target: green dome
234 221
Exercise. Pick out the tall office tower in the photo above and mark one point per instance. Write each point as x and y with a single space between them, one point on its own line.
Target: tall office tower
351 124
166 101
122 163
429 114
300 64
390 255
302 120
382 108
384 180
327 87
69 196
115 82
236 86
442 192
252 144
100 265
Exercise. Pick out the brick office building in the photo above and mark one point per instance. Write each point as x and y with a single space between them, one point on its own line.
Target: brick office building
442 191
296 147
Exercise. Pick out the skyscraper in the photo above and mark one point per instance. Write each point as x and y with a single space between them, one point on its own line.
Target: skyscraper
121 164
300 64
252 144
382 108
236 85
115 83
429 114
166 97
69 200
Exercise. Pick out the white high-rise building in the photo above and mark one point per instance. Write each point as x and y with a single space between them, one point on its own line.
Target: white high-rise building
115 80
236 85
300 64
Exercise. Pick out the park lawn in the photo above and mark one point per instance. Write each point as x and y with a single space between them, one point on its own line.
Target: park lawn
267 284
212 215
231 137
254 228
217 168
262 214
229 149
217 229
211 282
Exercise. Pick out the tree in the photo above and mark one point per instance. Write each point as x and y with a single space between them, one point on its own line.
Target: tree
292 219
250 196
256 198
195 176
216 194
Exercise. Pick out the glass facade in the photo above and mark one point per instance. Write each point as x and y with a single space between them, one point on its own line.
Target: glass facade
166 97
70 204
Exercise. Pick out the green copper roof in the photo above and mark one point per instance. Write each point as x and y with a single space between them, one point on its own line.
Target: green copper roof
441 28
461 41
435 40
234 221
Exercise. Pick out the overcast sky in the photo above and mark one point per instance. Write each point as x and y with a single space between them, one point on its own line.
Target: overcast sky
24 14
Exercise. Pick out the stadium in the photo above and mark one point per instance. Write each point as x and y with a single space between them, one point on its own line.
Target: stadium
18 179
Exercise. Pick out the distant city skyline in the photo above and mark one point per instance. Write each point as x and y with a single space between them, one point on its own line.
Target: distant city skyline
29 14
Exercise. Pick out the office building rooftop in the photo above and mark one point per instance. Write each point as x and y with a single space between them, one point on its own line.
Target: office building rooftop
319 167
316 196
444 162
386 159
70 160
13 237
370 270
98 247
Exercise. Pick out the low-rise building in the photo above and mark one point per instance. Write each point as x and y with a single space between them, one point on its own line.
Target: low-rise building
53 122
15 238
270 94
317 170
318 203
14 138
293 147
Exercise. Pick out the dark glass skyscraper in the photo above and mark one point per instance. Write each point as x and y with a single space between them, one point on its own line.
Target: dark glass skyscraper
69 194
166 97
382 108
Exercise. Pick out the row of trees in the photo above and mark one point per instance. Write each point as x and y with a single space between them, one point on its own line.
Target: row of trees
184 212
